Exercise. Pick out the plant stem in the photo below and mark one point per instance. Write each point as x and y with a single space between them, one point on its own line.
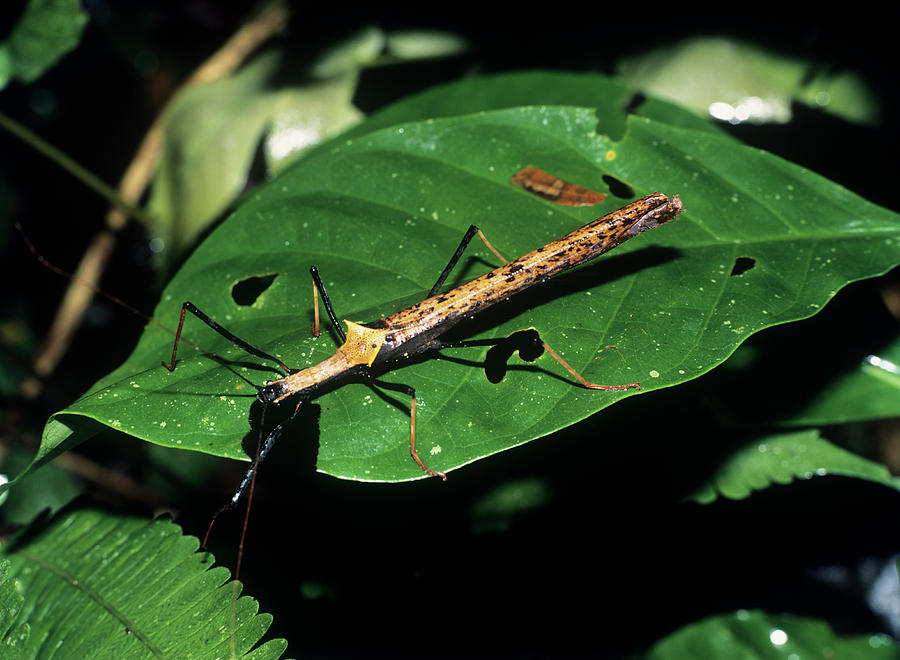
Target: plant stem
75 169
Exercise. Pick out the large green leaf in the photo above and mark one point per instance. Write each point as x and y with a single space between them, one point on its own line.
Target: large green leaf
11 602
91 584
380 216
755 634
508 90
780 459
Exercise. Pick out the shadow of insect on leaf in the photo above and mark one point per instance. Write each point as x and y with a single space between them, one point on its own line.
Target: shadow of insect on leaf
248 290
305 426
526 342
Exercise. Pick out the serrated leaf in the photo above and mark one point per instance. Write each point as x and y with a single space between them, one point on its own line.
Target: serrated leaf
781 459
380 216
758 635
100 585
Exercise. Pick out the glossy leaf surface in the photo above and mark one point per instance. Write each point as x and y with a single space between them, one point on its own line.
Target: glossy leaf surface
763 242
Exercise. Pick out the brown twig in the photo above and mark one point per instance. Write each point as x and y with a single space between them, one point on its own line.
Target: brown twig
112 480
131 187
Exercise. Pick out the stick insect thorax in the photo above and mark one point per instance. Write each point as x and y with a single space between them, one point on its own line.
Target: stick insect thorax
414 330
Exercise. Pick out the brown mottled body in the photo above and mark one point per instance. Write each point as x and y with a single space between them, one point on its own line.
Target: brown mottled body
414 330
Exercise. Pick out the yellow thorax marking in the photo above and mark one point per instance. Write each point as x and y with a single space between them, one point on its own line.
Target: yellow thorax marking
362 344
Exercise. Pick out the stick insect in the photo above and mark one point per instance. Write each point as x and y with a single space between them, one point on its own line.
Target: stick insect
381 345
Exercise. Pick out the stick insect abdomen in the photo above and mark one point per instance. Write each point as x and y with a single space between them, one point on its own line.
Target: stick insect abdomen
601 235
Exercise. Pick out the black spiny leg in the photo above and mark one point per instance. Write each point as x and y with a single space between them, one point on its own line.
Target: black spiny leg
230 336
467 237
263 449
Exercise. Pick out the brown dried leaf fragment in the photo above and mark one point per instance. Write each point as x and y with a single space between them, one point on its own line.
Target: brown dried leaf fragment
554 189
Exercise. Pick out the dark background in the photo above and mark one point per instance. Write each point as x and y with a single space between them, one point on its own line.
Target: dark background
609 558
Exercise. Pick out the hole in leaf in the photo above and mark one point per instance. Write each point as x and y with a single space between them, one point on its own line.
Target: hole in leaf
618 187
742 265
526 342
249 289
